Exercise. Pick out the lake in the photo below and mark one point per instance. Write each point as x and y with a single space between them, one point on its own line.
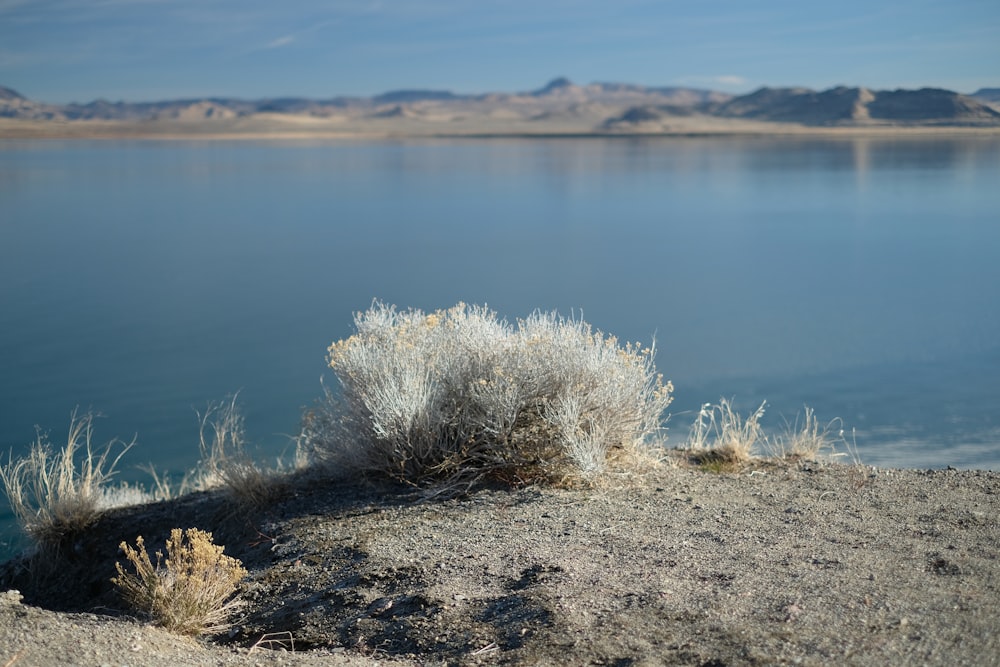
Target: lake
860 277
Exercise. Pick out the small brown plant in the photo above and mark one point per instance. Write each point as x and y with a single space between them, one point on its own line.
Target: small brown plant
191 591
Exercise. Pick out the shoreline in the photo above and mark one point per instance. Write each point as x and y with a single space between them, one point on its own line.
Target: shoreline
292 129
803 562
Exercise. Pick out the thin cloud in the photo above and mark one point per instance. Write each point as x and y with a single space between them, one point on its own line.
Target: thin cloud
280 42
297 37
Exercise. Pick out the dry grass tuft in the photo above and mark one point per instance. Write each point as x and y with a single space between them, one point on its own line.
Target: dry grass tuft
191 592
453 396
721 440
54 495
224 462
224 459
808 440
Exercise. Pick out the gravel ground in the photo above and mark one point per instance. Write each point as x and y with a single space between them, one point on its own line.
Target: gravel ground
807 563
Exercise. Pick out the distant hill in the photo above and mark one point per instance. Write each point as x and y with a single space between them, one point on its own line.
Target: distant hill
559 84
932 105
987 95
858 106
205 110
404 96
618 93
15 105
9 94
607 107
797 105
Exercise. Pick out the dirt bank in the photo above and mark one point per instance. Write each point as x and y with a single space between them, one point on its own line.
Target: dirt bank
808 563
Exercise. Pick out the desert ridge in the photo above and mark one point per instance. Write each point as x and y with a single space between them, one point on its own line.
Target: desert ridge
560 108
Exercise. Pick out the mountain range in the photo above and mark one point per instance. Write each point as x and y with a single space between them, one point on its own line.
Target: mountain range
601 107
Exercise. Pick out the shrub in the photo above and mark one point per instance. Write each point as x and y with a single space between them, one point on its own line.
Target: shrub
54 495
191 591
459 394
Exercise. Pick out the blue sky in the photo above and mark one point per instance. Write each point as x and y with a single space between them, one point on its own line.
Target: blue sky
79 50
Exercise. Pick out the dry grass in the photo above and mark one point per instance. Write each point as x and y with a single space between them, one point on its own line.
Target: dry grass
54 495
722 440
452 396
224 458
224 462
808 440
191 592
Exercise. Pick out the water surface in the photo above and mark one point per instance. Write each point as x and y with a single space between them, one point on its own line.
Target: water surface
860 277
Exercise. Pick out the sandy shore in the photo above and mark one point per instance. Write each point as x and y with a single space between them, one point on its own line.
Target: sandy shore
295 128
806 563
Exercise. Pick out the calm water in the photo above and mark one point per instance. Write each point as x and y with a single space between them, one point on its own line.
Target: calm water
144 279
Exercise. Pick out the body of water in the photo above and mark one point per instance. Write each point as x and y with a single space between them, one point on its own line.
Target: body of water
861 277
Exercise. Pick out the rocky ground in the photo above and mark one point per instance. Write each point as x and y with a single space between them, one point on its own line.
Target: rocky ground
803 563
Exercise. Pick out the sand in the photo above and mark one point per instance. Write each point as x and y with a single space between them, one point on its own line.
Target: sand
802 563
482 124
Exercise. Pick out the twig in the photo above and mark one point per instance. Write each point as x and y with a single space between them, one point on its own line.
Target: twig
492 646
261 539
270 639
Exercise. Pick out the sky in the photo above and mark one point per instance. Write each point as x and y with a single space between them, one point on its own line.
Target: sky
61 51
